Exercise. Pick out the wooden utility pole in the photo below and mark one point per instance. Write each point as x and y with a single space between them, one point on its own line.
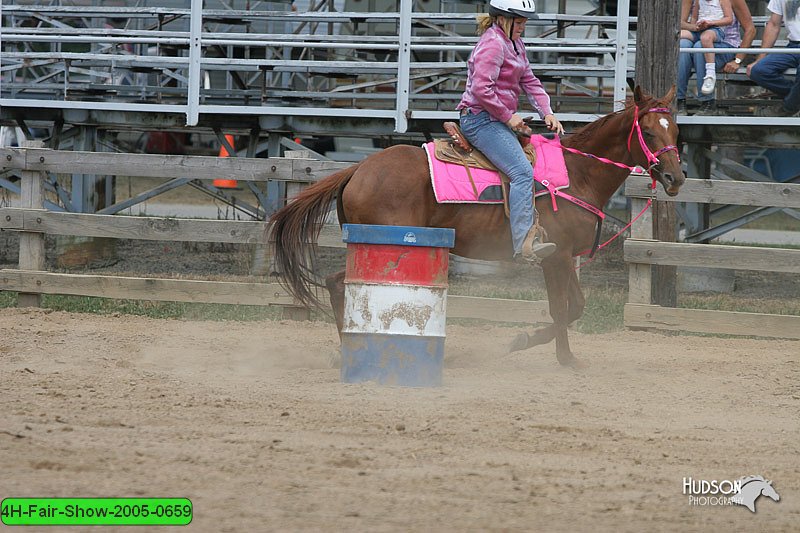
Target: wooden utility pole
657 45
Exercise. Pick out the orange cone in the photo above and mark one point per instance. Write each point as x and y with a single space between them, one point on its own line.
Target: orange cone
223 152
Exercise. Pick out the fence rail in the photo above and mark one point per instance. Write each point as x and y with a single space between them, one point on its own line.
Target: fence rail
33 222
641 251
167 166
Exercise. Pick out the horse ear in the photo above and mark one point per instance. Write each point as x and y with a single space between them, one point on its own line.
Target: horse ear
670 95
638 94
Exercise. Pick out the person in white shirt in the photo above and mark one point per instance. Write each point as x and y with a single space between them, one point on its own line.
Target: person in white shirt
739 34
708 18
768 70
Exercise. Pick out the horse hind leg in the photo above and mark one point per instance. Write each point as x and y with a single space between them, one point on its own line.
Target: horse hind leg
523 340
335 285
576 302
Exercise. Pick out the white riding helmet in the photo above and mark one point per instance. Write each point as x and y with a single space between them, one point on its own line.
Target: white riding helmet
513 8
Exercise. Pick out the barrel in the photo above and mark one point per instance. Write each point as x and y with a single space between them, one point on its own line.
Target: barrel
395 304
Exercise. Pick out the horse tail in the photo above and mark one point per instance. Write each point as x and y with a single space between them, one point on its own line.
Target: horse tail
294 229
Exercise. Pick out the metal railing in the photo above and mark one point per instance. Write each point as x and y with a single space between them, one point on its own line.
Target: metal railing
399 65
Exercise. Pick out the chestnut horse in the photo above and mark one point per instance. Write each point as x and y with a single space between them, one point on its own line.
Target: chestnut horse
393 187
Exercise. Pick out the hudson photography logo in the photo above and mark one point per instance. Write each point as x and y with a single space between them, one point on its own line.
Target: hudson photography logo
743 491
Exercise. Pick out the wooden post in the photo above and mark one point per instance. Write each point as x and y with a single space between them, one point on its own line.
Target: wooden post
88 196
31 245
296 311
639 275
657 45
698 166
293 189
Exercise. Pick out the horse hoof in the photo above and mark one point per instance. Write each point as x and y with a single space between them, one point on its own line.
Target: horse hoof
520 342
335 359
579 364
573 362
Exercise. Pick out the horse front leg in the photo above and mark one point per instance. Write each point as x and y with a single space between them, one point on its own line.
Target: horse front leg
557 275
576 299
575 306
335 285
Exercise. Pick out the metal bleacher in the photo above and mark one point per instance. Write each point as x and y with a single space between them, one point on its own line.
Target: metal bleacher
387 68
375 69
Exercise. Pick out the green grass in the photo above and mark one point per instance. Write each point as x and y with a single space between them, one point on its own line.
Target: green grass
174 310
725 302
759 245
492 290
774 221
604 311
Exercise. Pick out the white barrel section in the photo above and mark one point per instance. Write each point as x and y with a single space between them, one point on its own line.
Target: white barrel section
395 309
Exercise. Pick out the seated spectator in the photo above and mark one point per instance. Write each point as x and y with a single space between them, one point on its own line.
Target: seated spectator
768 70
699 62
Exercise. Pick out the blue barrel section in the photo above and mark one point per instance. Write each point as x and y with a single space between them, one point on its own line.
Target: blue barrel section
395 304
399 235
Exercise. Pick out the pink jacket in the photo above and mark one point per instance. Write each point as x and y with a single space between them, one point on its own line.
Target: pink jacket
496 76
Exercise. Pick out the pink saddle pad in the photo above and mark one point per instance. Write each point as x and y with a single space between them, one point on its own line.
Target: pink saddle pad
451 183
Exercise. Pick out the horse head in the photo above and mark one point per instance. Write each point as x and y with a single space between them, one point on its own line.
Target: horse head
751 488
657 133
768 491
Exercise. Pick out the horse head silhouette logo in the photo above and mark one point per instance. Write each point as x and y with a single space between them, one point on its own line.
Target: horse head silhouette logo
752 488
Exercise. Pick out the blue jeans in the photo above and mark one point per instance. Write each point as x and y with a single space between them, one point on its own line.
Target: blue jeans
695 60
500 145
768 73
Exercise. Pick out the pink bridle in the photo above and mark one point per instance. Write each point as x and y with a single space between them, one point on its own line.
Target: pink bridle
652 160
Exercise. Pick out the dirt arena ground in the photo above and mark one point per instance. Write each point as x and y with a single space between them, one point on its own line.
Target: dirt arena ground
251 423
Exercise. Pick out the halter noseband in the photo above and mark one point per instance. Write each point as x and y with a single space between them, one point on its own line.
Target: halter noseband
652 158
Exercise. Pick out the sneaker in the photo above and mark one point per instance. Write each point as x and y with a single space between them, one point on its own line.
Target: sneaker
707 108
777 111
681 110
536 254
543 249
533 249
708 84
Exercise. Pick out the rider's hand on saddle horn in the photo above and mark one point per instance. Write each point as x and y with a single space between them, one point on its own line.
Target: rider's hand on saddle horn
552 123
518 126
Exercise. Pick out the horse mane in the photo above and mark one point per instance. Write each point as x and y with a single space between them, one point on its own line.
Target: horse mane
589 130
748 479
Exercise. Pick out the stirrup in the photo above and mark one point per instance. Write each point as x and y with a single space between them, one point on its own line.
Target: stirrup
534 248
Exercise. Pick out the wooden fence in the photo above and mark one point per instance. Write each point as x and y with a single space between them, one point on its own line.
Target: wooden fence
641 252
33 222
